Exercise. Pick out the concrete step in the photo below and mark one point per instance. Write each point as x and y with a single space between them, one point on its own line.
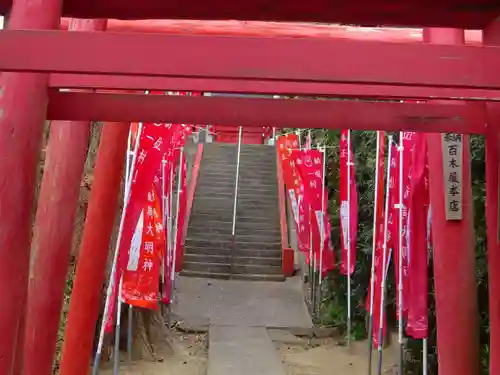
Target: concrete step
243 189
230 181
226 259
250 237
253 277
207 221
226 213
246 171
220 268
205 275
209 258
205 203
243 253
227 229
255 269
229 245
229 195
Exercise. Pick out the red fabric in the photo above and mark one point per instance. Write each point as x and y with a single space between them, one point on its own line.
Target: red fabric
379 243
140 278
157 141
417 324
348 206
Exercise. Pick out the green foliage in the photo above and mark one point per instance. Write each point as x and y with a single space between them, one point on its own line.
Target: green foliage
335 298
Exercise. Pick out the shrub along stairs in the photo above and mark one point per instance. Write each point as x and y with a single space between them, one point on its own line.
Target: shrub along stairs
255 252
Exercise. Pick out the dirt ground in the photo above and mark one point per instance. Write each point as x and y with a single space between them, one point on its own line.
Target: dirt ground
327 357
190 358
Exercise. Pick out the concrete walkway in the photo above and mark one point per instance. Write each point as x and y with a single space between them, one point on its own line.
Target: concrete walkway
238 314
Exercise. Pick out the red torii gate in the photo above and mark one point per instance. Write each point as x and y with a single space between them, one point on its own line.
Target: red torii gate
295 66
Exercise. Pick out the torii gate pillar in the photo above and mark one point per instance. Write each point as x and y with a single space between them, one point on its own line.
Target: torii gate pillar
53 234
491 36
454 253
23 102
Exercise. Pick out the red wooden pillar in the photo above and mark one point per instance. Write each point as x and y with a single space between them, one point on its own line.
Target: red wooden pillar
491 36
23 102
52 240
454 255
94 250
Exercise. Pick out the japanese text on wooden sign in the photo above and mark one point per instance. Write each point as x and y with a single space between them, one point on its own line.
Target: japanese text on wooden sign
452 145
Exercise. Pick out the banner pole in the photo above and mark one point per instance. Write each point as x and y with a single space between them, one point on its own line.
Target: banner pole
237 180
130 308
400 256
235 203
424 356
322 226
384 262
349 308
109 290
174 247
374 245
119 299
169 235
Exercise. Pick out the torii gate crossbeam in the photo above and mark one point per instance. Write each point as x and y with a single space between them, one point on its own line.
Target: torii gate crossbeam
274 59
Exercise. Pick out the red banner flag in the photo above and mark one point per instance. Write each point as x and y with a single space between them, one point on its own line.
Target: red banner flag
348 205
408 142
140 278
155 141
379 242
417 324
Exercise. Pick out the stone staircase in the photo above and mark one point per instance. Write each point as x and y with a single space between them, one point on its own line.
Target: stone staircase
255 253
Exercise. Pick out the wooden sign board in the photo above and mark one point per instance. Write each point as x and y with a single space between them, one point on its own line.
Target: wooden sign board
452 145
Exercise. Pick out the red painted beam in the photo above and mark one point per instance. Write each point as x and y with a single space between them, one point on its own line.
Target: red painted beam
390 116
272 29
79 81
288 59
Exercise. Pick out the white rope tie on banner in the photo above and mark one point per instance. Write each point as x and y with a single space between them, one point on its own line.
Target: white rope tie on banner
384 262
349 307
374 245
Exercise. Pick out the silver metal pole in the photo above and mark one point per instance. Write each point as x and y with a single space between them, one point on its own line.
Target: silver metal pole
322 227
109 290
424 356
400 256
349 308
374 245
174 233
237 180
127 181
169 242
384 262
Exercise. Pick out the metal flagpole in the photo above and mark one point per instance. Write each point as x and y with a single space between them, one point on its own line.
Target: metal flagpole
372 272
312 258
116 357
163 217
400 257
349 308
322 228
130 308
384 262
169 241
424 356
235 204
237 180
174 233
109 290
